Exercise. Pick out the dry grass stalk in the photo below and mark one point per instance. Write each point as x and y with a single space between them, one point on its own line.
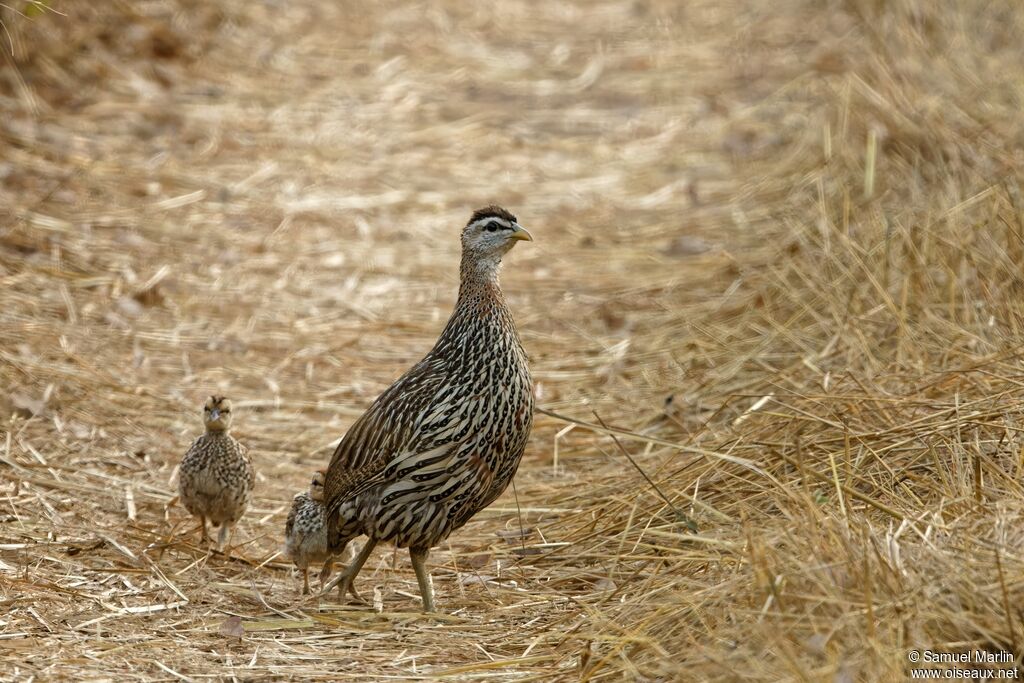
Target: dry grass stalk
778 250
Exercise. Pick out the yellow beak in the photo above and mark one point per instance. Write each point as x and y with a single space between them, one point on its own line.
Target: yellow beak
520 233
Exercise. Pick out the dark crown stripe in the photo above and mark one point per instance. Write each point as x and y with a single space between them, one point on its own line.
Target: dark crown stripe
492 211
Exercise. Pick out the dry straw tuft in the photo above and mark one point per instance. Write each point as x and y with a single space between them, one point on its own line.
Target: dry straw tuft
778 252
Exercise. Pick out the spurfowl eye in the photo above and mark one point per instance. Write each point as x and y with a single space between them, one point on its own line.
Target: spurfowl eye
492 226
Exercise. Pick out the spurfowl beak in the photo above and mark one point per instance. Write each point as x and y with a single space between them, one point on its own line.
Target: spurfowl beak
520 233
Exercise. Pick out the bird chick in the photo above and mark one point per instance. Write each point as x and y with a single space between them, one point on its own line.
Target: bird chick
305 535
216 479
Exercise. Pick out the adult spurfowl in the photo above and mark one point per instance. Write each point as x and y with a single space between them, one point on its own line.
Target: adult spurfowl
446 438
217 477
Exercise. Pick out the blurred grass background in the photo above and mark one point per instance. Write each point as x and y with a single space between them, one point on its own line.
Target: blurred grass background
789 234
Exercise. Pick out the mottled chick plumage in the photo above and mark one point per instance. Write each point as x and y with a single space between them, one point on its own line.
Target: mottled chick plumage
446 438
216 478
305 533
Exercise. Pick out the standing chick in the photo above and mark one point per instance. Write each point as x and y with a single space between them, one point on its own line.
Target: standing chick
305 535
217 477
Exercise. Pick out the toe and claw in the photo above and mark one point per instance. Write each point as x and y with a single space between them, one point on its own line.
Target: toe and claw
345 580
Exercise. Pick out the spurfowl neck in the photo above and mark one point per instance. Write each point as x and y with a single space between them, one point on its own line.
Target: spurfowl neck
478 276
481 321
480 300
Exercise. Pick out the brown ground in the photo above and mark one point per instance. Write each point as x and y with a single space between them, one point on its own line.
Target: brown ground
778 244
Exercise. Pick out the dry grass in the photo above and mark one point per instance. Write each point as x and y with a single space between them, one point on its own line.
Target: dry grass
778 252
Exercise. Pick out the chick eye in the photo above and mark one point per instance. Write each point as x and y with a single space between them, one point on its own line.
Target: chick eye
492 226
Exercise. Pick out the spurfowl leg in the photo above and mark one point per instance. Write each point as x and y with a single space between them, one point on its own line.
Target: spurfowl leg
203 536
345 580
419 563
305 580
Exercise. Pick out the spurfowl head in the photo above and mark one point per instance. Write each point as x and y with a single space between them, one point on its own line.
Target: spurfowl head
316 487
217 414
490 233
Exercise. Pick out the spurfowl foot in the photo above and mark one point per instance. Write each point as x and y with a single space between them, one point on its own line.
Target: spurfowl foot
345 580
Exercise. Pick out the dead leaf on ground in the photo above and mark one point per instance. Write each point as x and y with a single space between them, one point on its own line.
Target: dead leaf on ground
475 561
232 626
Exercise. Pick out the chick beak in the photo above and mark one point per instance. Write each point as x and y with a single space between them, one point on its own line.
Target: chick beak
520 233
214 414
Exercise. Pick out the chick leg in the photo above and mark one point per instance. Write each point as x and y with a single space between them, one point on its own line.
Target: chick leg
325 573
224 535
305 580
203 536
419 563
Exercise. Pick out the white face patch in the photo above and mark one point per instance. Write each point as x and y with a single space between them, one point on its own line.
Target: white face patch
492 224
486 240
